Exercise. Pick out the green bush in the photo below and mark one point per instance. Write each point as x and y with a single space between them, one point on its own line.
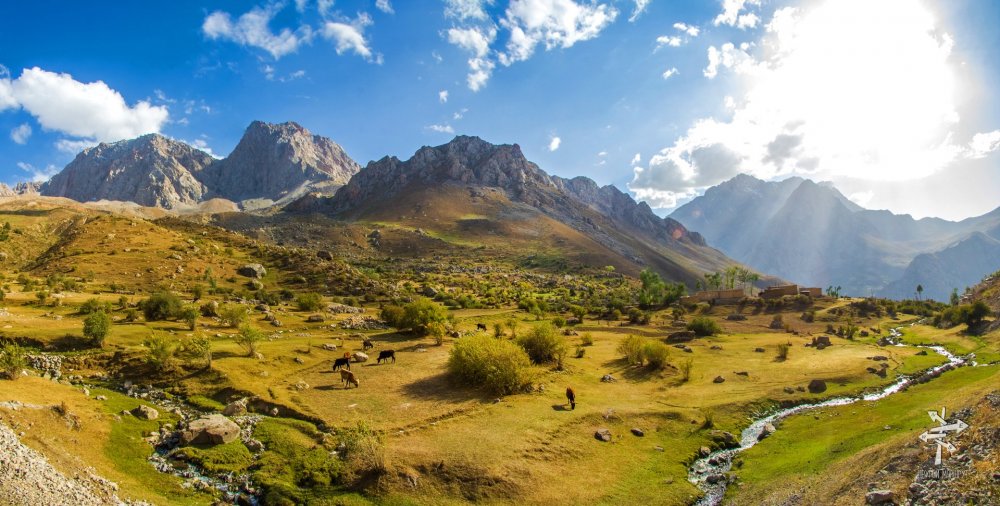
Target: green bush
704 326
685 370
96 327
233 315
783 349
161 351
248 338
195 348
495 364
12 360
161 306
421 312
309 301
189 314
544 344
94 305
587 339
631 347
392 314
655 353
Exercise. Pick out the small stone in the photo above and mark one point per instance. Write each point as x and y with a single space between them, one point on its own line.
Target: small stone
718 379
145 412
603 435
638 432
704 451
876 497
101 398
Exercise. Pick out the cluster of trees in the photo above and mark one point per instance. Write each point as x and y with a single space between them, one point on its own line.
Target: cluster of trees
417 316
640 350
729 278
655 292
969 314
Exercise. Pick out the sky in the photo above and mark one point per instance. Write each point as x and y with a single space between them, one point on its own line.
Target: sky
893 100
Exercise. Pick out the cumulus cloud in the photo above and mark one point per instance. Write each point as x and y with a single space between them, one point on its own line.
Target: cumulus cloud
733 14
474 40
983 144
637 159
444 129
691 31
878 104
351 37
251 29
72 147
90 110
671 72
37 174
20 133
640 8
384 6
554 23
202 144
668 40
676 40
459 114
554 143
466 9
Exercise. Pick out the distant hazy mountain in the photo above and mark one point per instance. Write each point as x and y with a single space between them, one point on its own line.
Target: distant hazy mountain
491 194
812 234
271 163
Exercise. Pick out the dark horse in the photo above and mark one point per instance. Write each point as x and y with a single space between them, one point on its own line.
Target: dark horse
386 355
571 395
342 362
367 345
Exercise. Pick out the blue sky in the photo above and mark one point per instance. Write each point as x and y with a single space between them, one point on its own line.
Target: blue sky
891 100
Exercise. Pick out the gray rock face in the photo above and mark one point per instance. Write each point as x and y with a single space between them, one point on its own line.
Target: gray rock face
210 430
273 160
151 170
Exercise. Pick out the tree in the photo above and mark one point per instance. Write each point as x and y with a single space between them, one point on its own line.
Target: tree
954 297
920 291
96 327
12 360
190 314
420 313
578 311
161 306
544 344
233 315
977 312
309 301
248 338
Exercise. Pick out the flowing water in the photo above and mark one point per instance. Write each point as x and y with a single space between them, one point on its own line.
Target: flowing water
709 473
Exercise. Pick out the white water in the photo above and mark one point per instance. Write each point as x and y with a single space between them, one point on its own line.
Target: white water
719 463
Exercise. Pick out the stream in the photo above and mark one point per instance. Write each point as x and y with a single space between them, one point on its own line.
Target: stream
710 473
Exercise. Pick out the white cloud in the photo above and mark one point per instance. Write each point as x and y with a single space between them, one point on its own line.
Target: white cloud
602 154
202 144
474 40
350 37
671 72
873 102
300 5
640 8
480 70
251 29
983 144
730 57
323 7
72 147
637 159
459 114
556 23
91 110
38 175
384 6
444 129
466 9
731 14
668 40
691 31
554 143
20 133
443 96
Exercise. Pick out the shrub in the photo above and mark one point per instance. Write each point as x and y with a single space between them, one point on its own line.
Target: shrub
96 327
197 292
233 315
436 330
392 314
94 305
704 326
685 369
543 344
631 347
309 301
12 360
161 306
655 353
161 351
559 322
248 338
580 351
42 296
498 330
809 316
131 314
783 351
190 314
495 364
587 339
364 449
420 313
196 348
511 325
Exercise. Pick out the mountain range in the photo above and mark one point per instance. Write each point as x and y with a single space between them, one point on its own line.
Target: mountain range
811 233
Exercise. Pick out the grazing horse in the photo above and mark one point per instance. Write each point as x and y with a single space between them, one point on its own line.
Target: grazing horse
571 395
342 362
348 378
367 345
386 355
481 326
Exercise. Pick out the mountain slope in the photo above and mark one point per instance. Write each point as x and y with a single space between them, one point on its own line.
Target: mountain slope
272 161
958 266
482 193
151 170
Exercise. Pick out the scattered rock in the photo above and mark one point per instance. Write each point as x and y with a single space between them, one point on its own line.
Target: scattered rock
681 337
145 412
603 435
607 378
789 390
315 319
820 342
758 350
638 432
718 379
880 497
255 271
724 439
210 430
329 347
237 407
704 451
736 317
882 358
359 356
742 373
324 255
767 431
101 398
817 386
715 347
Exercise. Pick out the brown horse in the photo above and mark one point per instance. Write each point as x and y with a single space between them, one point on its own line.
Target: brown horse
348 378
571 395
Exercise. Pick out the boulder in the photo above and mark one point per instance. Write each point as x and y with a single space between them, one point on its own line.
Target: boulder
817 386
681 337
255 271
880 497
315 318
736 317
881 358
789 390
359 356
603 435
324 255
766 431
329 347
758 350
820 342
719 379
145 413
638 432
724 439
712 479
236 408
210 430
922 353
704 451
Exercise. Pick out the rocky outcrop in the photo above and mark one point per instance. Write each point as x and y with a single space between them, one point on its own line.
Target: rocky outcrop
210 430
151 170
273 161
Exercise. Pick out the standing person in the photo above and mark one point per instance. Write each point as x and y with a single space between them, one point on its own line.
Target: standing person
571 395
